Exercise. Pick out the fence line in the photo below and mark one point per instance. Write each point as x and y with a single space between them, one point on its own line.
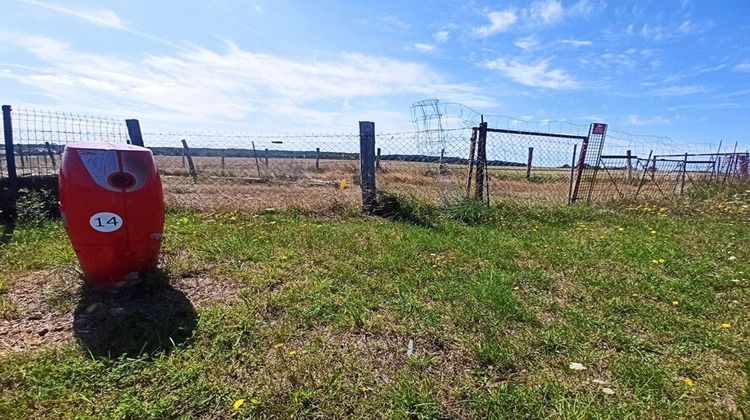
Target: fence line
533 162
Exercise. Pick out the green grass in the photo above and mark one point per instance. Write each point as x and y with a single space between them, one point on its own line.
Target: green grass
496 303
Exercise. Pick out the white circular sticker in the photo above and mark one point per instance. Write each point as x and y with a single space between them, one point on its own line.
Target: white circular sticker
105 222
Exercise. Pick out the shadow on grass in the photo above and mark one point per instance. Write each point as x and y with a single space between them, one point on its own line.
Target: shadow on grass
145 318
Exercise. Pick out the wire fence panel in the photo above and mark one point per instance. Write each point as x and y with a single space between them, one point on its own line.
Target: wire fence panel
234 170
529 166
435 174
39 137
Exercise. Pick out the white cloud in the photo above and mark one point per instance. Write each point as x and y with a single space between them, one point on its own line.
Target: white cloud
528 43
542 12
424 47
499 22
576 43
686 27
742 67
549 11
442 36
636 120
680 90
230 86
535 75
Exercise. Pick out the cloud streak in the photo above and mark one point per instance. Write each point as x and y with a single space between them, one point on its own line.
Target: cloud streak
101 17
202 85
534 75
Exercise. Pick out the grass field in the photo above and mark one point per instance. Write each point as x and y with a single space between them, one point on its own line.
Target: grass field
465 313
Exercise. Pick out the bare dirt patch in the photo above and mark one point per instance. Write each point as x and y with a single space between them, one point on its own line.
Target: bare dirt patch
54 307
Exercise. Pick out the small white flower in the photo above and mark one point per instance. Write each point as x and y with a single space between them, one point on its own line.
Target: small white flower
732 258
608 391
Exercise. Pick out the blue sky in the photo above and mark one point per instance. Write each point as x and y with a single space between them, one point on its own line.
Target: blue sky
667 68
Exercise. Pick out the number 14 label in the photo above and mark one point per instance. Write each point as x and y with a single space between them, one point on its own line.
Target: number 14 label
105 222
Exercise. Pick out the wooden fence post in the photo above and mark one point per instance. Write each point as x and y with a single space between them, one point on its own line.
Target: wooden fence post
367 166
572 174
186 153
377 160
440 162
744 165
51 154
528 163
684 174
317 158
472 146
266 157
134 132
629 165
10 155
19 150
255 153
481 161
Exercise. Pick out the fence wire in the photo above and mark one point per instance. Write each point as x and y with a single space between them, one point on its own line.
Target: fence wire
39 137
529 162
235 170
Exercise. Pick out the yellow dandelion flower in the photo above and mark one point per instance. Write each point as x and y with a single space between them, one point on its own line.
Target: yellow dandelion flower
661 260
675 303
655 261
516 288
238 404
601 237
283 257
365 389
378 316
434 266
653 232
726 325
292 353
688 382
622 229
278 345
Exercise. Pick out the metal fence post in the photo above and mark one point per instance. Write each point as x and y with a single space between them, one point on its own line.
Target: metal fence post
579 170
134 132
367 166
9 152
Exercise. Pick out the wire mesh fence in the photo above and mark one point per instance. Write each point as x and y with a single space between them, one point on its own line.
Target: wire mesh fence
39 138
235 170
507 159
